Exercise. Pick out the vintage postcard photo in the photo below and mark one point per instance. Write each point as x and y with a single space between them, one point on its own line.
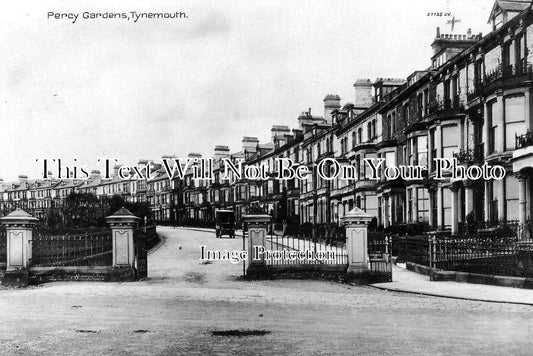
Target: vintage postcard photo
236 177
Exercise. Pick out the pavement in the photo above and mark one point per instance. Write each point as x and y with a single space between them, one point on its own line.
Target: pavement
410 282
191 307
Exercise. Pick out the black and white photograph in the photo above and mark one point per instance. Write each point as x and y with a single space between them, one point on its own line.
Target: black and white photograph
266 177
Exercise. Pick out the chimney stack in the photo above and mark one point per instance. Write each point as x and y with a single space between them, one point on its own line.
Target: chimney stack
331 102
363 93
221 152
194 155
279 132
249 143
168 157
95 174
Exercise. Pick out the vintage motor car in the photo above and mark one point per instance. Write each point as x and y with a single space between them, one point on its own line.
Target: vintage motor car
225 223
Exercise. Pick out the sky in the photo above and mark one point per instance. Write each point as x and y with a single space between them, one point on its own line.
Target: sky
115 88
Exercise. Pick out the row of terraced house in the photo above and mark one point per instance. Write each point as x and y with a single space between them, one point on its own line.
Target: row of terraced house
473 103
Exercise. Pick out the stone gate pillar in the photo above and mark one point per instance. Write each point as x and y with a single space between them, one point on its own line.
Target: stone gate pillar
356 222
257 226
19 231
122 224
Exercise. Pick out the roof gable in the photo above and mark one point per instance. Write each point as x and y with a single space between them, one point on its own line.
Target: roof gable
508 5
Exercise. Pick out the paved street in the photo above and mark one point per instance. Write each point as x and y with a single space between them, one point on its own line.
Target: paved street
183 303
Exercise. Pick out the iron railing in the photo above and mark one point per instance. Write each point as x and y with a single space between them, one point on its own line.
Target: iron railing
524 140
520 69
284 250
90 249
380 255
445 105
490 252
330 232
289 250
469 155
492 75
479 254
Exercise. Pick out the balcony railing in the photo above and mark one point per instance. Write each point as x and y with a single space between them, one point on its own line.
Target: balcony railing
435 106
524 140
522 67
493 75
445 105
519 69
469 155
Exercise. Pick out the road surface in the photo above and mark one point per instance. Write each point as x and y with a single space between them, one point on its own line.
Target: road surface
187 307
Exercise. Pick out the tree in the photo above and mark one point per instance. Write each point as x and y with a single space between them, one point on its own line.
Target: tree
139 209
83 210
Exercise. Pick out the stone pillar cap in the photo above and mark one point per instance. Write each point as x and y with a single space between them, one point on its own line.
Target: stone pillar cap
356 215
123 214
257 218
18 215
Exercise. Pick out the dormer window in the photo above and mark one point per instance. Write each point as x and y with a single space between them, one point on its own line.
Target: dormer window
497 21
503 11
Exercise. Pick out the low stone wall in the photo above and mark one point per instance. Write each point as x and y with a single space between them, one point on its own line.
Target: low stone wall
437 275
38 275
502 281
420 269
331 273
